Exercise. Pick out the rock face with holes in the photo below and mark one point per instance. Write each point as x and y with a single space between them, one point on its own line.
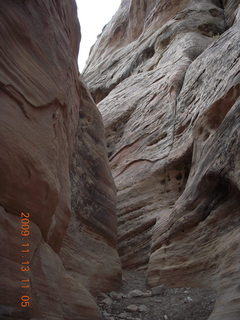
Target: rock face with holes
144 67
53 165
165 75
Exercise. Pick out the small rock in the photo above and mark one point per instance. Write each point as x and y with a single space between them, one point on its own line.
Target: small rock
135 293
116 295
188 299
158 290
142 308
108 301
103 295
132 308
148 293
106 314
165 317
123 315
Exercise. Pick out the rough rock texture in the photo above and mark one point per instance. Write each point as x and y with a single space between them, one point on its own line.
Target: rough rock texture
166 76
52 154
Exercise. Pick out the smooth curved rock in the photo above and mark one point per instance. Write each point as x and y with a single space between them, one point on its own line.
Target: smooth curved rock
199 242
140 112
89 247
53 164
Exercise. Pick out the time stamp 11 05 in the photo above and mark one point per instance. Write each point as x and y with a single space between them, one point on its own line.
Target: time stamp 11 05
25 299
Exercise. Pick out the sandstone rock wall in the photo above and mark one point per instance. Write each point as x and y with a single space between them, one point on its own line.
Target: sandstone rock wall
53 164
168 90
89 247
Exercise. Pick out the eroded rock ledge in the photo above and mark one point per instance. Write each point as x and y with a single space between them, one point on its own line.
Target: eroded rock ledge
165 75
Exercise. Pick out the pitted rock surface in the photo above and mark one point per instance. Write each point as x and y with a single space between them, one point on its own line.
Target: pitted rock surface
167 84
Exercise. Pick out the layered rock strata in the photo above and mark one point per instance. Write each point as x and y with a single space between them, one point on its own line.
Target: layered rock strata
53 165
165 75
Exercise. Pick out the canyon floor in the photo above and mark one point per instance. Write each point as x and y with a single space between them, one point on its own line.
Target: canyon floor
134 301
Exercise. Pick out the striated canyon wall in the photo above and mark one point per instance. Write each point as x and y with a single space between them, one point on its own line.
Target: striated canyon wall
165 75
53 165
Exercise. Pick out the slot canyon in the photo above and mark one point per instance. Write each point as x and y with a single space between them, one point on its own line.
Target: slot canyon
121 185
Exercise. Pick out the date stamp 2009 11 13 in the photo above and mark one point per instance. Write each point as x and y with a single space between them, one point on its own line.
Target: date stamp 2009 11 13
25 300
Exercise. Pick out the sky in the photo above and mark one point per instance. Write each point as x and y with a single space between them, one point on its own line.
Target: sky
93 15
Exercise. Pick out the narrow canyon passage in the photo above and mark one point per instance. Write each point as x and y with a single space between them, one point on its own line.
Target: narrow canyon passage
120 186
